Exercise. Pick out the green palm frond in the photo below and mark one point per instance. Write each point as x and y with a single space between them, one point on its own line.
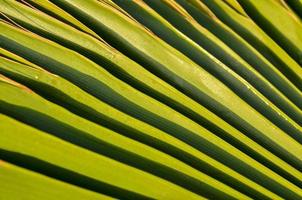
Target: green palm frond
150 99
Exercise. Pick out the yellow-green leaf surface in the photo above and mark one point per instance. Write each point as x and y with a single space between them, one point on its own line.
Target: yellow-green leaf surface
225 74
55 11
176 68
138 72
104 141
256 37
150 99
296 5
47 154
17 182
64 90
278 23
241 47
235 5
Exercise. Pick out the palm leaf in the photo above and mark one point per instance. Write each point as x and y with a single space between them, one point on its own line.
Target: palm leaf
179 99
